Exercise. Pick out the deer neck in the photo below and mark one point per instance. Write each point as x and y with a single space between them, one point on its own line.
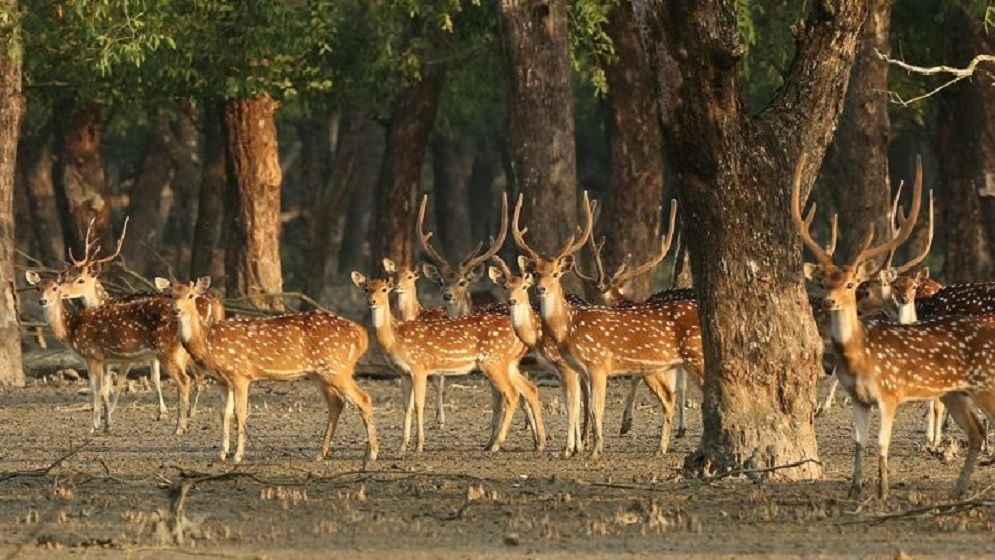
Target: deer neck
523 320
61 321
461 307
383 325
847 332
408 307
907 313
96 296
194 336
555 312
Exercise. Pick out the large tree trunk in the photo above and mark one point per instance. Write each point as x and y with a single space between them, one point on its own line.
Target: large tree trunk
81 189
35 167
966 149
631 215
210 204
411 122
535 37
11 111
358 222
733 174
855 170
146 200
331 201
252 260
452 164
483 211
185 152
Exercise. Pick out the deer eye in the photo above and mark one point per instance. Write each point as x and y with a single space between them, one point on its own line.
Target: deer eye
384 290
849 285
79 281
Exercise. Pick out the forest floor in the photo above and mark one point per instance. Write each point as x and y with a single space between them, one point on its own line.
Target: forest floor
118 494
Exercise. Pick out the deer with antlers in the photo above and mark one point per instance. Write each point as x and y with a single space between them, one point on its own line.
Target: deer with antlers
121 334
454 346
884 364
85 284
604 341
289 347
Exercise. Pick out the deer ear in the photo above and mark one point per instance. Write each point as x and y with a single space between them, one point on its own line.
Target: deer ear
566 264
389 266
431 272
358 279
496 275
865 270
888 276
813 272
161 284
475 274
527 278
524 263
923 274
203 283
32 277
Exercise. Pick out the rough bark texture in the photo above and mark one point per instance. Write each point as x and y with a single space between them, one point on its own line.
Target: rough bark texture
252 260
855 169
535 37
733 173
81 189
411 121
146 200
631 219
210 203
483 209
184 148
358 223
966 149
452 164
35 167
11 111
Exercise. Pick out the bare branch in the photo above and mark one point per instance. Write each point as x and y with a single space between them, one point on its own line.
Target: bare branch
957 74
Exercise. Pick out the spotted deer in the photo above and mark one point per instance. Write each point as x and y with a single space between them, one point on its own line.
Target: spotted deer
121 334
611 290
318 345
453 346
603 341
884 364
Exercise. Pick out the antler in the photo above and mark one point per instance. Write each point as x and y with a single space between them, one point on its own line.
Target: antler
574 244
601 278
929 243
621 276
425 238
867 252
89 258
821 253
87 247
475 260
518 233
503 266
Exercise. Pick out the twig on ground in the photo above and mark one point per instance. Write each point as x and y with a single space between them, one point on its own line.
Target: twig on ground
937 510
44 470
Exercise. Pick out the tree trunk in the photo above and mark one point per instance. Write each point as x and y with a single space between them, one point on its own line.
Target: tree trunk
81 189
452 164
535 37
411 123
966 148
483 211
252 261
358 222
733 174
185 152
35 166
210 203
146 206
855 170
11 111
332 202
631 215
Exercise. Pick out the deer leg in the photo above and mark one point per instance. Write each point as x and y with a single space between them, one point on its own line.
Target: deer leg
599 385
440 400
334 402
585 428
827 402
409 407
961 409
682 398
106 390
887 408
357 396
183 396
629 406
861 427
496 415
120 380
569 382
530 391
240 387
419 383
227 412
663 386
95 373
199 378
157 383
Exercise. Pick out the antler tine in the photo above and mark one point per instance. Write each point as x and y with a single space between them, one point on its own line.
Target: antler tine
120 244
893 218
519 234
496 244
574 244
834 236
87 246
426 238
819 251
929 243
904 231
596 247
505 269
665 243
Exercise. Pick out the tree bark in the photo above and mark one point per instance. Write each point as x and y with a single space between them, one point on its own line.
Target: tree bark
81 188
358 222
11 112
35 161
483 211
452 165
631 216
535 37
146 200
185 152
252 260
411 122
966 149
210 203
733 173
855 170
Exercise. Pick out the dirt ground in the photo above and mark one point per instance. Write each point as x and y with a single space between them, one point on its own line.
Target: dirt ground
119 494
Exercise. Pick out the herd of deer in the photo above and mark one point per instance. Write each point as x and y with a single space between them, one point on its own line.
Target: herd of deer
947 356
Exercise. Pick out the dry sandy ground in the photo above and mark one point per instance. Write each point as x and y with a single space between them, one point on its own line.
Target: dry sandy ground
119 496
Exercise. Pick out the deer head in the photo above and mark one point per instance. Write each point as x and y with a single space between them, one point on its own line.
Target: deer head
185 298
515 286
84 283
377 290
405 278
455 281
49 289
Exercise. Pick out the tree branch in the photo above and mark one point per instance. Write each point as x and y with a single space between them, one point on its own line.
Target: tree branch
957 74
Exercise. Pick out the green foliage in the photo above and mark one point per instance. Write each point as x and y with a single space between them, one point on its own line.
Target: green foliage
591 46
